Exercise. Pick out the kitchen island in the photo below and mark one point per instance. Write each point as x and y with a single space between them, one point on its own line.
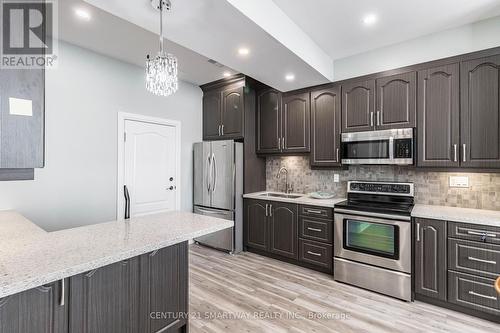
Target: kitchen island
119 276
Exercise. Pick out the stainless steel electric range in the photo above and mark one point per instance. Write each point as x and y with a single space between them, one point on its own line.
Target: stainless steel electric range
372 237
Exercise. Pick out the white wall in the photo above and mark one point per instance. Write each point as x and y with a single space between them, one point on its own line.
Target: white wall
469 38
83 95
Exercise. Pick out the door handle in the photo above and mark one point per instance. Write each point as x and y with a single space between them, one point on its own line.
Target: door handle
371 118
455 158
338 153
418 232
482 296
270 210
214 168
267 206
283 142
127 202
314 253
482 234
491 262
464 158
378 118
279 143
209 172
314 229
222 129
207 211
219 130
63 292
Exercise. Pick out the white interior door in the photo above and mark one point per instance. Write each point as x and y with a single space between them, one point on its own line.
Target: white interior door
150 154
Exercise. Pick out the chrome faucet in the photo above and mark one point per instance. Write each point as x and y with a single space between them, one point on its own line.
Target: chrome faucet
288 188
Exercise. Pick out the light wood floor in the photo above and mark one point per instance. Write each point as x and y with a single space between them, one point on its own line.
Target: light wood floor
262 291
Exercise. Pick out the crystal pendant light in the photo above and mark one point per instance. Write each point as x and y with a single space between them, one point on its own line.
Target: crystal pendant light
161 72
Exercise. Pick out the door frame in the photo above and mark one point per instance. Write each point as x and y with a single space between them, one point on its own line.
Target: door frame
124 116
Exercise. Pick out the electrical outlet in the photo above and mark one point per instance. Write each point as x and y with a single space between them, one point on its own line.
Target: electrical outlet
459 181
336 178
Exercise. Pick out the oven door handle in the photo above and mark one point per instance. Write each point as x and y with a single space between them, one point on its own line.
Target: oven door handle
380 215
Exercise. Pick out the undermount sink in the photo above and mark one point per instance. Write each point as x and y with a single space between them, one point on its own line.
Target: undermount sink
281 195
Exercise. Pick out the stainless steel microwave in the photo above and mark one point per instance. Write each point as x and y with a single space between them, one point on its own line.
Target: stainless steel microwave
394 146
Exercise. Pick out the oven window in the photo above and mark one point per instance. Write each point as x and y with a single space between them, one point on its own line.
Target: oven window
366 149
372 238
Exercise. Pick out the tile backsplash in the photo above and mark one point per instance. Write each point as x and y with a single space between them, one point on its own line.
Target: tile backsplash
431 188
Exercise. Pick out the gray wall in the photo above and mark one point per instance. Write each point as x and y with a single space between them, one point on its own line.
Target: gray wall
83 96
431 188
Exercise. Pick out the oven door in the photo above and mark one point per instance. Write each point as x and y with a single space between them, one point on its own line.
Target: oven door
372 240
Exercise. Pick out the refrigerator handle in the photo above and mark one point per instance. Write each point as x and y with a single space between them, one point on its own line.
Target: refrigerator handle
127 202
208 172
214 167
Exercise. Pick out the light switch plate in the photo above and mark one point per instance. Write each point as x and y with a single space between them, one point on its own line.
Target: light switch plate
459 181
336 178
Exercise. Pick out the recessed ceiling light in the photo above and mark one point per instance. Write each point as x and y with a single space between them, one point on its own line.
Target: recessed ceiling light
370 19
290 77
243 51
226 74
83 14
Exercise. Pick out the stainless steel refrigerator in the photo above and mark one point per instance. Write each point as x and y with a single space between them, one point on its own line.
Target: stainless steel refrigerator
218 190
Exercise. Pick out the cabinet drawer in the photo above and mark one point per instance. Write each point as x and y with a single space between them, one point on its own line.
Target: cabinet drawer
315 253
474 257
480 233
316 211
473 292
315 229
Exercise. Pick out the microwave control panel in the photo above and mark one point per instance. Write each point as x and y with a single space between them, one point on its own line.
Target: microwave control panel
403 148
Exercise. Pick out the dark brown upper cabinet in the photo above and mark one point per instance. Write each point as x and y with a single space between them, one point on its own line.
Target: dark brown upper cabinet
296 116
438 130
223 111
269 121
358 105
325 127
232 113
211 115
480 113
396 101
430 258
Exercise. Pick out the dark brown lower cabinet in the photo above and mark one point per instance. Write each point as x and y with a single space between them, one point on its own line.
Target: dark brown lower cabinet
41 309
283 234
256 224
142 294
430 258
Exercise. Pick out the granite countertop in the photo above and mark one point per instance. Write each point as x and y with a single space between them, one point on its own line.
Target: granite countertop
44 257
14 225
456 214
304 199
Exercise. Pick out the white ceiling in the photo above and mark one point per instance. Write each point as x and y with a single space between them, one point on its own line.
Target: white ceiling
284 36
336 25
112 36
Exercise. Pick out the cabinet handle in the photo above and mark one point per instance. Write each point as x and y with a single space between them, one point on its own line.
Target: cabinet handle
455 158
481 295
314 211
283 142
270 210
418 232
492 262
267 205
314 253
371 118
478 233
279 143
222 129
338 154
219 130
63 292
464 158
313 229
378 118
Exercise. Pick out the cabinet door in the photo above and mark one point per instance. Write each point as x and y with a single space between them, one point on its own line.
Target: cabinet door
232 113
106 299
256 224
480 113
211 115
164 289
438 116
396 101
22 105
358 104
283 220
38 310
325 127
430 258
268 122
296 123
